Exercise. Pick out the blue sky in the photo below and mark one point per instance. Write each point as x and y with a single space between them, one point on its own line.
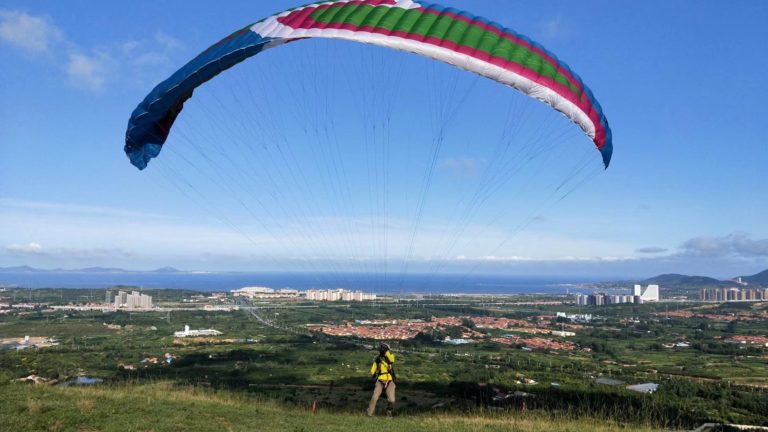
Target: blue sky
682 85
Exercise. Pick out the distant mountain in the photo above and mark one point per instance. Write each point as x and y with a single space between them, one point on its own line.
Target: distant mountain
95 270
28 269
678 284
757 279
20 269
680 281
166 270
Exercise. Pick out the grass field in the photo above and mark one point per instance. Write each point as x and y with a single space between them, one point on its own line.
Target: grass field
164 407
260 374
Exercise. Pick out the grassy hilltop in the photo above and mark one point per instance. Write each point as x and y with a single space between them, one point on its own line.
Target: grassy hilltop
162 407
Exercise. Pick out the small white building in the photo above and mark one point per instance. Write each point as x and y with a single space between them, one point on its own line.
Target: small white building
457 341
575 317
200 332
562 333
252 291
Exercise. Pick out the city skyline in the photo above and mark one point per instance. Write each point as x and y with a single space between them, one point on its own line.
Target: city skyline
681 196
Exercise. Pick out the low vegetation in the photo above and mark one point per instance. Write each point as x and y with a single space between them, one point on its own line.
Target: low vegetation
165 407
269 371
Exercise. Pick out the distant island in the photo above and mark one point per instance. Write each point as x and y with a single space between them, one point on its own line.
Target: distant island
28 269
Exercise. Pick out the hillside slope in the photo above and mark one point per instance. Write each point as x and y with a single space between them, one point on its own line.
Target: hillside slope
686 283
162 407
757 279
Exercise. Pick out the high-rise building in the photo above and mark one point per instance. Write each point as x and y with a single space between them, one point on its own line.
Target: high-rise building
120 299
600 299
134 300
733 294
650 294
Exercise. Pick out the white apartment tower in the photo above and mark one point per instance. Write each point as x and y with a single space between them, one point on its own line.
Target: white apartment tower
134 300
650 294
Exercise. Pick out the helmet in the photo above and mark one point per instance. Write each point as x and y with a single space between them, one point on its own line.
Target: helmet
383 347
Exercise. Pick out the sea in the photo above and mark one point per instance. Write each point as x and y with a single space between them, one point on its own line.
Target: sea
371 283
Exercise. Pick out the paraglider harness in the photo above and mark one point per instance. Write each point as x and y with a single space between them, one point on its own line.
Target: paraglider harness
390 368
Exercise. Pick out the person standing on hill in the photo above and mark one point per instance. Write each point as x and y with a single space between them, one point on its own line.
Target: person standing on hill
383 371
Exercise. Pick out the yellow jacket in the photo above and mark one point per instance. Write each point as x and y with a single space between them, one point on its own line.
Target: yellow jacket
384 374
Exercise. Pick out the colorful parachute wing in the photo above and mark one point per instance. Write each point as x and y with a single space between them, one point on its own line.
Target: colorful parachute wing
446 34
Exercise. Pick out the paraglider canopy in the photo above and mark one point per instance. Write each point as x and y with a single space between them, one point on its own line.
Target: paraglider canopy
453 36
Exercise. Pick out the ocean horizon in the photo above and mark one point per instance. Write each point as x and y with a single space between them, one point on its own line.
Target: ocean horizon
373 283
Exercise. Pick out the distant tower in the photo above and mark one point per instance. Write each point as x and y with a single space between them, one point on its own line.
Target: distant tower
650 294
121 299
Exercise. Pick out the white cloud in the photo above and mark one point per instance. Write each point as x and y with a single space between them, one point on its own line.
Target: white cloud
128 48
89 72
24 249
33 249
462 168
75 231
33 34
148 60
552 27
493 258
89 68
739 245
168 43
526 259
651 250
76 209
156 53
72 230
151 59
